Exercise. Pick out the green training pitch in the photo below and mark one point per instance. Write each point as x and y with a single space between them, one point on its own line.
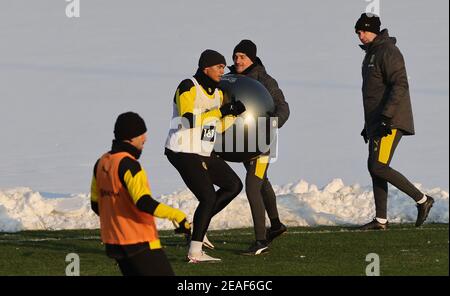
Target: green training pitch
402 250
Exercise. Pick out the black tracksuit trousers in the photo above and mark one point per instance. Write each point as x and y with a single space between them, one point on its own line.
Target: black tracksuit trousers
200 174
260 195
381 152
146 263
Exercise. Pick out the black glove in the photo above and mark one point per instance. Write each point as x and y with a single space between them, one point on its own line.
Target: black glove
384 128
233 108
364 135
183 228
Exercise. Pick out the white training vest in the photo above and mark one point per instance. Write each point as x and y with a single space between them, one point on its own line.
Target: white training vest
199 139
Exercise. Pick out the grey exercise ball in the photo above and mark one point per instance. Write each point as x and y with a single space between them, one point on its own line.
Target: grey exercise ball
253 131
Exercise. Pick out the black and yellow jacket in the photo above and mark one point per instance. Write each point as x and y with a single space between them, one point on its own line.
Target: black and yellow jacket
197 116
186 93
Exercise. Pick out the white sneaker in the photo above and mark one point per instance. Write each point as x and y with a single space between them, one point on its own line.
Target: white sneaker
202 257
207 243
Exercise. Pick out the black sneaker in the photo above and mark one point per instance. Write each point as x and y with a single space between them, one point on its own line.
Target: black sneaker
257 248
423 210
374 225
272 234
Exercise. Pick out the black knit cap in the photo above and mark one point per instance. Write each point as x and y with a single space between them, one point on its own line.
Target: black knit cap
128 126
368 22
210 58
248 47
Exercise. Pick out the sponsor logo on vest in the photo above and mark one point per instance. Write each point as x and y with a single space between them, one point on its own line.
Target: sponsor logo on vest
107 193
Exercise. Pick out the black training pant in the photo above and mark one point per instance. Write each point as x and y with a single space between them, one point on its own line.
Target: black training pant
200 174
146 263
381 152
260 194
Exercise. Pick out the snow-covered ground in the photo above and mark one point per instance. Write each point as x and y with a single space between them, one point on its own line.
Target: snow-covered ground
300 204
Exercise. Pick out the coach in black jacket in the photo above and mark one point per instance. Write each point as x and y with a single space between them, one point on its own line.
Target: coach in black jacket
388 116
259 191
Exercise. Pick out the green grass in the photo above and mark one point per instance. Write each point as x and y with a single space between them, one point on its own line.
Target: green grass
403 250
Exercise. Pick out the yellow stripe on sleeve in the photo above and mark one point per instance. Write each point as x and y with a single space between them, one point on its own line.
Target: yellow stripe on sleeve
386 147
208 117
94 190
166 212
186 104
137 185
186 101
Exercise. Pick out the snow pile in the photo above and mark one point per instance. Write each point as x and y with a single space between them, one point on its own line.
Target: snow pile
299 204
24 209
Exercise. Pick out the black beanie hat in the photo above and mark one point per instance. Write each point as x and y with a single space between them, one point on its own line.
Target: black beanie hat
248 47
368 22
210 58
129 125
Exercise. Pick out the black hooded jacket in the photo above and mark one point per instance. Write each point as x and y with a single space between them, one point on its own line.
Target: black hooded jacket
385 86
258 71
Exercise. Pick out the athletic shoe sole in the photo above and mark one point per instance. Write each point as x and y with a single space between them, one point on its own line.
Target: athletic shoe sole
197 261
259 252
